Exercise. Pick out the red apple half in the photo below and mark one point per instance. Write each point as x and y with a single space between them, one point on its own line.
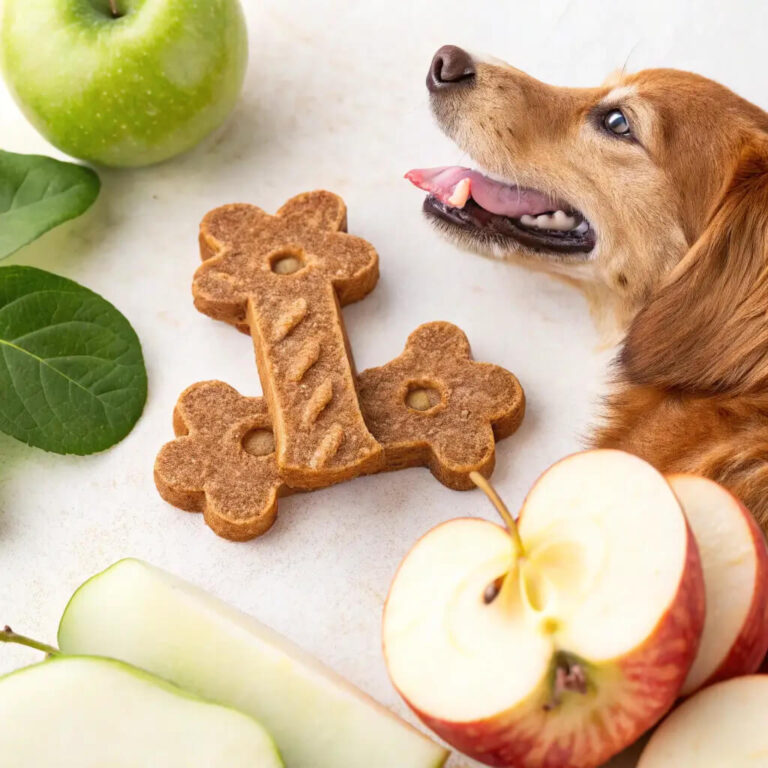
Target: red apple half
564 653
723 726
735 563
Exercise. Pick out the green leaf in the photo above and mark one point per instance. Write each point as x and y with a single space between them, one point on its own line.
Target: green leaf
72 377
37 194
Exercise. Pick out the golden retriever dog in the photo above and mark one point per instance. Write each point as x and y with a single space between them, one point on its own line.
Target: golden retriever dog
651 193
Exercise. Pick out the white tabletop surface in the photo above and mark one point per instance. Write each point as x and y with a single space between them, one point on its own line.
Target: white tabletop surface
334 99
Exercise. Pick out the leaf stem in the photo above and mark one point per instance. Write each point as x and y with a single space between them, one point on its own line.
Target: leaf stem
7 635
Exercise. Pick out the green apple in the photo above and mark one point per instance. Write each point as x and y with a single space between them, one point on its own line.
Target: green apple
125 89
79 712
144 616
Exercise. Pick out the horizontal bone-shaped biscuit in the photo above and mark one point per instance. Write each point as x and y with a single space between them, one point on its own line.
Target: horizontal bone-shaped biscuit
283 278
432 406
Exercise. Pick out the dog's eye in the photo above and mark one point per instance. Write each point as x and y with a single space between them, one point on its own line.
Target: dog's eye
616 122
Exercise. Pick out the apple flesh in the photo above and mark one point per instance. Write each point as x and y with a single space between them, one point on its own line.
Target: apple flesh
735 563
122 91
564 653
79 712
144 616
722 726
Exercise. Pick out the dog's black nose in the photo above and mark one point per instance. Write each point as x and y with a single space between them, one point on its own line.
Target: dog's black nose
450 66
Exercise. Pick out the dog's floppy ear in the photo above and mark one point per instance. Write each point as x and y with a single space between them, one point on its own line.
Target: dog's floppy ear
706 329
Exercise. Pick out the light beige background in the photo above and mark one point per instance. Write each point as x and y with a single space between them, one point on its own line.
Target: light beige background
334 98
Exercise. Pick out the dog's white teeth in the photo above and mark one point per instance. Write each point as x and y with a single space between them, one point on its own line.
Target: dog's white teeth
559 221
582 228
562 222
543 221
460 194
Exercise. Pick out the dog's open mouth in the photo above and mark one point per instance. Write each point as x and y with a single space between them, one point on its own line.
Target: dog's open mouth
500 213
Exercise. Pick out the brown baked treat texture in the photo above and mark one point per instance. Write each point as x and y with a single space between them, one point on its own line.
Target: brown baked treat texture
222 463
435 406
432 406
284 278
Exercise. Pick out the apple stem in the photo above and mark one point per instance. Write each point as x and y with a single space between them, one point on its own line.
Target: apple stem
484 485
113 9
7 635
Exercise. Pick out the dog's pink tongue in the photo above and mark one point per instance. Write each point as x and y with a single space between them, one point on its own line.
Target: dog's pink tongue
453 186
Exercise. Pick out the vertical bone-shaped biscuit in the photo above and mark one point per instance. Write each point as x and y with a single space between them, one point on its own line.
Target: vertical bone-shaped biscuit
284 278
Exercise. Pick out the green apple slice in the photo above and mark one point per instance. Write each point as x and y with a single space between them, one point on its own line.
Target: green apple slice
81 712
140 614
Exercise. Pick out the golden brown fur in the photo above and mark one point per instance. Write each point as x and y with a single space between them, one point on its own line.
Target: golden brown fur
682 253
693 370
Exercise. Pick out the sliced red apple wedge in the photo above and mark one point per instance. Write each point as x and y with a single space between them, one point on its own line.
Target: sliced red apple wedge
735 563
561 645
723 726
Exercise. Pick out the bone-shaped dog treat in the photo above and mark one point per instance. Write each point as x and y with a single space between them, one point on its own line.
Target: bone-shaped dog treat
283 278
432 406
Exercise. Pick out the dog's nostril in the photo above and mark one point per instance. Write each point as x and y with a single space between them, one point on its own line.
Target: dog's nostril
450 66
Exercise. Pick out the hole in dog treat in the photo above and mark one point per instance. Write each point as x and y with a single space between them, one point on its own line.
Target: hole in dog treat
259 442
422 397
286 263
